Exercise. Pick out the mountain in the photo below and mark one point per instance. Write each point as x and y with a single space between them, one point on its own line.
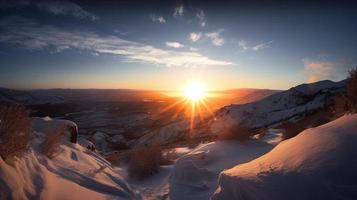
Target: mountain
56 96
279 107
319 163
246 95
28 97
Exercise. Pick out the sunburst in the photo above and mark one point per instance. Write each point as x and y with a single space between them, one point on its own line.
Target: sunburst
193 102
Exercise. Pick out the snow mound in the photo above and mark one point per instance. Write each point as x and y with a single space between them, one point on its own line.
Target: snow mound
75 173
278 107
319 163
43 124
195 174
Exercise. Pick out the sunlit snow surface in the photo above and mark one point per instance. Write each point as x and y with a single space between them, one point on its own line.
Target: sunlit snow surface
74 173
195 173
319 163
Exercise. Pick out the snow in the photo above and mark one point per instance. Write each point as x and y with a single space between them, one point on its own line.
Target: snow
165 134
312 88
86 143
180 151
277 107
46 124
316 164
319 163
195 174
75 173
100 141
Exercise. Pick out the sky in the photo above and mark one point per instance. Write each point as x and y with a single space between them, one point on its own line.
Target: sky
163 45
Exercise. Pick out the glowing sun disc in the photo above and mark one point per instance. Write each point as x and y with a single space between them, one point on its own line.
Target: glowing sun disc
194 92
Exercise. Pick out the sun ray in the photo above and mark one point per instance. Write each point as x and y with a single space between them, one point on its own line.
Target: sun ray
169 107
193 105
207 107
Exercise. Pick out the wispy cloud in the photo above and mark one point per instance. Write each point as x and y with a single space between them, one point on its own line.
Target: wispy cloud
321 68
54 7
178 11
27 34
201 18
193 49
245 47
216 37
194 37
120 32
174 45
159 19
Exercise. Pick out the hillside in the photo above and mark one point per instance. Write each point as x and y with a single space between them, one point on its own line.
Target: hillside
279 107
293 104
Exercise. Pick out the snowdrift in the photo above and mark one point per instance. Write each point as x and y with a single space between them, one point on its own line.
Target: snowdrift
319 163
75 173
195 174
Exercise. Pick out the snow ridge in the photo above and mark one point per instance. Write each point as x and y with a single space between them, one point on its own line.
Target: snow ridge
278 107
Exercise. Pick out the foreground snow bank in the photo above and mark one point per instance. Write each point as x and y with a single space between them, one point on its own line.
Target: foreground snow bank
319 163
75 173
195 175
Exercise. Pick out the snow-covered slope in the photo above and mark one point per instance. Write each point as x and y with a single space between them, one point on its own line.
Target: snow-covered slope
75 173
170 132
278 107
195 174
319 163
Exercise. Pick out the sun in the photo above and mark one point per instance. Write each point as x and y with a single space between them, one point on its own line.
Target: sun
194 92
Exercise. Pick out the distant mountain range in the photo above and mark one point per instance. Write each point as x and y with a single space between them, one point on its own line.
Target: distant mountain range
57 96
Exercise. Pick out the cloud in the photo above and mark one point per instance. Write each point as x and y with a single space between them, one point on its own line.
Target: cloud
244 46
174 45
318 70
193 49
216 37
120 32
262 46
201 18
54 7
159 19
194 37
27 34
321 68
178 11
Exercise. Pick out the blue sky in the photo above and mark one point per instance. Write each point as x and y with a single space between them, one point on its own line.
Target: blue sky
164 44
